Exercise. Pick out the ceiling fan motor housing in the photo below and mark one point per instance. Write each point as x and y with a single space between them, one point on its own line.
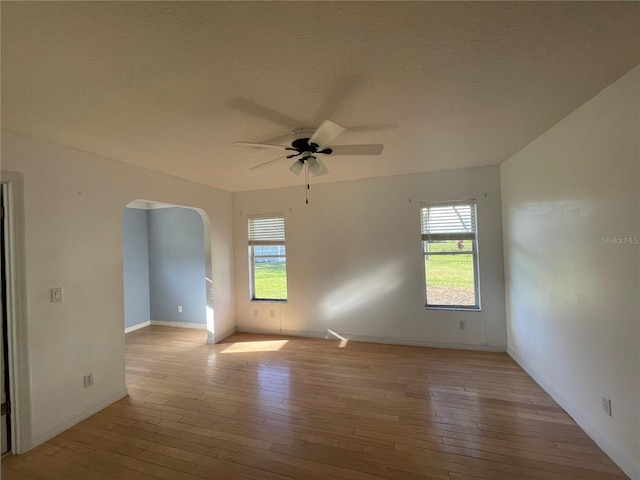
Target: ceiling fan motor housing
300 142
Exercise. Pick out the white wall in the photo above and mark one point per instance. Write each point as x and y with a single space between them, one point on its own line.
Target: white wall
572 299
355 264
73 205
177 267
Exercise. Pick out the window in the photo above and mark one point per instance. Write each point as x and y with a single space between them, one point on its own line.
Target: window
450 248
267 258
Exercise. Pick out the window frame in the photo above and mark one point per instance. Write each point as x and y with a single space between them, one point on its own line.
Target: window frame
427 237
261 242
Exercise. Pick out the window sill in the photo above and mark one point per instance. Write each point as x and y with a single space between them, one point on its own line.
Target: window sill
455 309
267 300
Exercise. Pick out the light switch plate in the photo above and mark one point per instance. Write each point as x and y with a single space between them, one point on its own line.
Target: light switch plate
56 294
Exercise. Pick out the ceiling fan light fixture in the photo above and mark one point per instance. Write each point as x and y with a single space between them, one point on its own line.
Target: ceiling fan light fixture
320 170
297 167
313 165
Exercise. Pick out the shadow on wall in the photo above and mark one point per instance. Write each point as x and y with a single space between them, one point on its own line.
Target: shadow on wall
166 266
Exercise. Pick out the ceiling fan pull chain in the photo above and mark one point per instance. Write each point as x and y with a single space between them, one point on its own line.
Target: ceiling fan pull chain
306 177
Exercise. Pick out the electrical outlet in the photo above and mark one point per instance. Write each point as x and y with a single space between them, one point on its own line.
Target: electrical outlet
88 380
179 308
606 405
463 324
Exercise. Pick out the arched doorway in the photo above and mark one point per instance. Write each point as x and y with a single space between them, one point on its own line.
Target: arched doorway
166 267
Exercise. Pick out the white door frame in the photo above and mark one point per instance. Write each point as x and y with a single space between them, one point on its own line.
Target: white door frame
18 358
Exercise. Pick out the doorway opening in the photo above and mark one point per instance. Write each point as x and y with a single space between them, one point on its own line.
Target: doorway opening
5 373
167 267
14 381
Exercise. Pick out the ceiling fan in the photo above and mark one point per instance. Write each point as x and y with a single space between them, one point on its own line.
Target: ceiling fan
308 143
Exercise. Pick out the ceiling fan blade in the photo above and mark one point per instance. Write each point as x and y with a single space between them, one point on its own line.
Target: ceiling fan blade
252 108
363 149
264 164
280 139
372 128
258 145
317 168
326 132
338 95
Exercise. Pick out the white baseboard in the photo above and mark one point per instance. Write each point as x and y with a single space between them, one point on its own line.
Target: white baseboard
48 435
200 326
620 458
137 326
373 339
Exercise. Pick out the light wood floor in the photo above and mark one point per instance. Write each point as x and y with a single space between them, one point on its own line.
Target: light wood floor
266 408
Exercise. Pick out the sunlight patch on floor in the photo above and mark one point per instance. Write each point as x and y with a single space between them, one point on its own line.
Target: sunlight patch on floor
262 346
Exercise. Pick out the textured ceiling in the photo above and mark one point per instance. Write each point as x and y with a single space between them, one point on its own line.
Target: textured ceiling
171 85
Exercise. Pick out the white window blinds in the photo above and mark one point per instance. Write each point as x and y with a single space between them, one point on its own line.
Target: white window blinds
449 222
266 230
